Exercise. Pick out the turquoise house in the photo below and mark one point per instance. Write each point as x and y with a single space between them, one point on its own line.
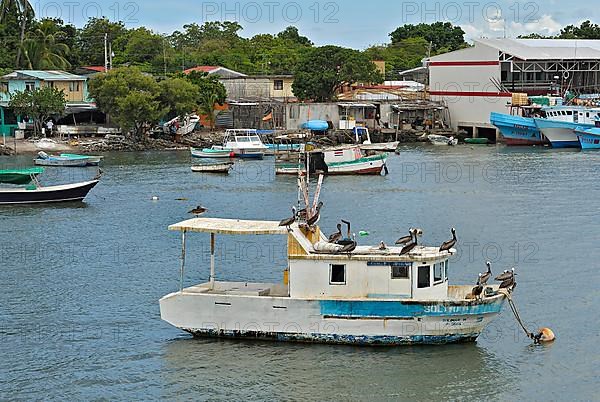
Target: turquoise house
73 86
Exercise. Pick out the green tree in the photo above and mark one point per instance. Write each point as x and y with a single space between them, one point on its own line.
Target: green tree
443 36
38 104
586 30
292 34
91 40
323 70
140 46
130 97
25 12
43 50
401 56
179 96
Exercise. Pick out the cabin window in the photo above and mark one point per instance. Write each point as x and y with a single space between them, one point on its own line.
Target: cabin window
337 274
29 85
399 272
3 87
445 270
438 273
569 112
278 85
424 277
74 86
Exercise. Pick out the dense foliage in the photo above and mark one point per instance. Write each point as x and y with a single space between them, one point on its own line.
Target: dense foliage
38 104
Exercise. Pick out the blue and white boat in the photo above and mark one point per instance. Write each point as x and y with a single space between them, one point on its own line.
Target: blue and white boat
333 291
560 122
517 130
245 143
589 138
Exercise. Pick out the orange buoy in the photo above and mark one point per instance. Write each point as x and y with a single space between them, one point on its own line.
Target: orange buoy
545 335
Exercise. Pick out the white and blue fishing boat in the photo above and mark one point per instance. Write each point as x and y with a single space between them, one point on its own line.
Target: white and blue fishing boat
214 152
517 130
245 143
334 291
43 159
559 124
589 138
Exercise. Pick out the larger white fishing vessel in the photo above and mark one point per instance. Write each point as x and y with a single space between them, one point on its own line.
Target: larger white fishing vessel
334 290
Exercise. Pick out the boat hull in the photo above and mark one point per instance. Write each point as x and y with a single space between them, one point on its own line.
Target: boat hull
560 134
360 322
52 194
517 130
373 165
63 162
213 168
588 139
211 153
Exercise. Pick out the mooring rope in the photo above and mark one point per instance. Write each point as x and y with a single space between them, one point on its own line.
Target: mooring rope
513 307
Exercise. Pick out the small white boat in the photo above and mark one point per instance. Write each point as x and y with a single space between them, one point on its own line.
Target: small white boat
442 140
363 138
215 152
245 143
213 167
92 160
186 125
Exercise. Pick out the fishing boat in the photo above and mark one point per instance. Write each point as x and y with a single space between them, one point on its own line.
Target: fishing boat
44 159
589 138
517 130
215 152
340 293
213 167
245 143
442 140
477 141
92 160
186 125
344 160
20 176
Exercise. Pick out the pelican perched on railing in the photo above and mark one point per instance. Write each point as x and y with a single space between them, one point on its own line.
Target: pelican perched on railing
485 277
406 239
289 221
337 236
414 243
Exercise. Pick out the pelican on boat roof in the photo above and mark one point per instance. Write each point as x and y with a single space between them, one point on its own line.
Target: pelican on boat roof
369 295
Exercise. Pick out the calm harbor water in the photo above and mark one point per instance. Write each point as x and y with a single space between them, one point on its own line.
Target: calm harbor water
80 283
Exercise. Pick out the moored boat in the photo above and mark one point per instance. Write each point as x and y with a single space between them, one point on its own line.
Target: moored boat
589 138
560 134
517 130
477 141
44 159
442 140
213 167
214 152
346 160
245 143
51 194
338 292
92 160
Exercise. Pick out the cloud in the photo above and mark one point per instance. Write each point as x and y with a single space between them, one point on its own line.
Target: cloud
495 27
545 25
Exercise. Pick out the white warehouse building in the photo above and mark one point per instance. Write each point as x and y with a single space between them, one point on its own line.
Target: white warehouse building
478 80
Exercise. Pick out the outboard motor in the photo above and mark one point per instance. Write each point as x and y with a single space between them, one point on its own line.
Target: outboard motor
43 155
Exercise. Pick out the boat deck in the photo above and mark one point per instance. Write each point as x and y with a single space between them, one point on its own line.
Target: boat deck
455 292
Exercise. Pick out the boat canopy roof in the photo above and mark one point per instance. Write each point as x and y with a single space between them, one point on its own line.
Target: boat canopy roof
229 226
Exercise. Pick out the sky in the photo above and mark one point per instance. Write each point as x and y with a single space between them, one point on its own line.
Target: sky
349 23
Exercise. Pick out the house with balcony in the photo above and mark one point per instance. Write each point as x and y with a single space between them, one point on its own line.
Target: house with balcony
73 86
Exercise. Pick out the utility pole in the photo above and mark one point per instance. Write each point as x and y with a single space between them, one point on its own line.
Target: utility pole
165 58
110 56
105 52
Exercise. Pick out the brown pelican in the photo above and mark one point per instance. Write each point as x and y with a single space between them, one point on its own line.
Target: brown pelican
406 239
382 246
484 278
410 246
477 291
335 237
506 275
315 218
509 283
199 210
289 221
350 247
448 245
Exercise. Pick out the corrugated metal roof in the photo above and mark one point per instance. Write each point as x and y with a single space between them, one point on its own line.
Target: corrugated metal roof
546 49
45 75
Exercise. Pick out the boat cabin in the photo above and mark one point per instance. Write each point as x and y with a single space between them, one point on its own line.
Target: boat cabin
235 138
316 270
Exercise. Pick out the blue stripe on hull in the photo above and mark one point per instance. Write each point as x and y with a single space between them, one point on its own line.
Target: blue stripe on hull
566 144
374 340
402 309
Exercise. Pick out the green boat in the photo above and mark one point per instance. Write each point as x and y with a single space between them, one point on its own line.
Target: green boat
19 176
477 141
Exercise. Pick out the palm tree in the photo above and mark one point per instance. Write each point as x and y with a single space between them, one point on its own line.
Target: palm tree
25 11
44 51
207 106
